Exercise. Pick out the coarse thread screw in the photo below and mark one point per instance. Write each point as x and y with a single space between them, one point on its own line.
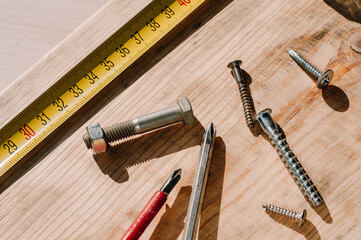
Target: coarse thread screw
245 95
300 217
323 79
291 162
98 138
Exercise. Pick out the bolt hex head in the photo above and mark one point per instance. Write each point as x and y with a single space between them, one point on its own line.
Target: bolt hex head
325 79
186 110
97 138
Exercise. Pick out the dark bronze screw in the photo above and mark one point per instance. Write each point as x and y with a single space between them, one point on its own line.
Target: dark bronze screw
243 89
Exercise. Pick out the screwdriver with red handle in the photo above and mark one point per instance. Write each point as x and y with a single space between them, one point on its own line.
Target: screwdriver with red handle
152 208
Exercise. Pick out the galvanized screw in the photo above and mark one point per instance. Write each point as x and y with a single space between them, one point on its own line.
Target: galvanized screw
98 138
289 159
323 79
245 95
300 217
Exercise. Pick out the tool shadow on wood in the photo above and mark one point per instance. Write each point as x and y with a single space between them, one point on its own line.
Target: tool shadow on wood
170 227
308 229
211 209
171 224
322 210
347 60
142 65
147 147
350 9
336 98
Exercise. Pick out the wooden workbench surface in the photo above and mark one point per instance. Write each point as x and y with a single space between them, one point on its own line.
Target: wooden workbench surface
64 192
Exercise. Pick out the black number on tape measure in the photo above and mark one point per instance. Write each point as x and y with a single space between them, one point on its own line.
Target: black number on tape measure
153 24
76 90
107 64
60 104
10 146
168 12
122 50
42 118
91 77
27 131
138 39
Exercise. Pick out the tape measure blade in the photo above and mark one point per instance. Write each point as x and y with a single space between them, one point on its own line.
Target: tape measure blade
89 77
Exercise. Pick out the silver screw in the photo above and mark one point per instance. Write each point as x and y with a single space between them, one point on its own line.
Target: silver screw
300 217
180 112
245 95
323 79
291 162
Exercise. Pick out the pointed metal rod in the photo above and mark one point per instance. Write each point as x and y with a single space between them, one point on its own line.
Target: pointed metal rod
200 182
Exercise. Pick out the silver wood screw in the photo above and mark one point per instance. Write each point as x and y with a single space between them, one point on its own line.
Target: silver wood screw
300 217
291 162
323 79
98 138
245 95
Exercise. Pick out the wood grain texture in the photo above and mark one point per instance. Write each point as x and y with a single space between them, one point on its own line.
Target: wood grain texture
29 29
63 192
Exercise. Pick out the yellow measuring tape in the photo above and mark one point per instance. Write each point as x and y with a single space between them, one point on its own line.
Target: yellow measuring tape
89 77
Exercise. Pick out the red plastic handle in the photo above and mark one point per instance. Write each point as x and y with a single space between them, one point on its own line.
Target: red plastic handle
146 216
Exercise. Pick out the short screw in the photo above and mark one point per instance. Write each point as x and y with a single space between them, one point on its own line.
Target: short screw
323 79
300 217
269 126
245 95
180 112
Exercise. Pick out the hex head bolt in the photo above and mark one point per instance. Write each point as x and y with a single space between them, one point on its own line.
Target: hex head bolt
98 138
300 217
323 79
294 166
245 95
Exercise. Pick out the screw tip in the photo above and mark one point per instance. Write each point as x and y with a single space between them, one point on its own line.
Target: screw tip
292 53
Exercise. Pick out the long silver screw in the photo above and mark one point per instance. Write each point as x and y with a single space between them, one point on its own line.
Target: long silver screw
323 79
300 217
98 138
245 95
291 162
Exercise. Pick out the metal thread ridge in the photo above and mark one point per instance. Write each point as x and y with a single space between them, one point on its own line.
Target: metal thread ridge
295 168
281 211
119 131
87 140
247 104
305 65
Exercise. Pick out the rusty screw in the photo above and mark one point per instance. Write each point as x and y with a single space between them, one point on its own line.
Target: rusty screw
245 95
98 138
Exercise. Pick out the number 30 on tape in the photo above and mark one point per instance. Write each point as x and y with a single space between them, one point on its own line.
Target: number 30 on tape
71 92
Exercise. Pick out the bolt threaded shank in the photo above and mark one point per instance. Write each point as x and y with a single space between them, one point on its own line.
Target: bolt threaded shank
305 65
87 140
119 131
